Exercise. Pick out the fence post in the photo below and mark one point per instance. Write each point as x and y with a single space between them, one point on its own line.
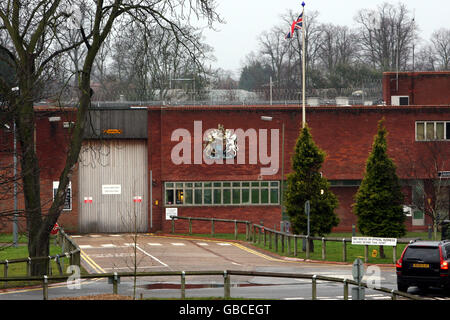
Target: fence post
276 242
307 248
49 266
190 226
366 253
288 237
29 267
6 269
394 296
295 246
314 287
45 287
115 282
345 289
212 228
394 254
270 239
282 243
183 285
226 285
324 249
235 230
344 251
173 224
58 264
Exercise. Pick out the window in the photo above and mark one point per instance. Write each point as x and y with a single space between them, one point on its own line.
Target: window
222 193
432 130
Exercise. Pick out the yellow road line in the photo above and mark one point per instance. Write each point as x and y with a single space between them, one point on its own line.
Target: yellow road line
92 263
259 254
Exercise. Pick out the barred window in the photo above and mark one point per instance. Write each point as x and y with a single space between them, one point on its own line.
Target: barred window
432 130
222 193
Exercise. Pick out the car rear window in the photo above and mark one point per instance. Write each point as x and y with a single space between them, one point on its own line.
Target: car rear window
428 254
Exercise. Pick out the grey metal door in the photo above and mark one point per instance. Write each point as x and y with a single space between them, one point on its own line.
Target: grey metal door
113 186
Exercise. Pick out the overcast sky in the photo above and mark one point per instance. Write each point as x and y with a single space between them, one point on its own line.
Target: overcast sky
247 19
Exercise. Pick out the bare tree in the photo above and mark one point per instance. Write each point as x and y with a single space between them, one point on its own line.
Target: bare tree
31 28
386 36
441 45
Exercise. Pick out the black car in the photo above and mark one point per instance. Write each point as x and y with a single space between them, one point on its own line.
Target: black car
424 264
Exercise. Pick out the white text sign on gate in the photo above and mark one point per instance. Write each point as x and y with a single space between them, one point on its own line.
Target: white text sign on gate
374 241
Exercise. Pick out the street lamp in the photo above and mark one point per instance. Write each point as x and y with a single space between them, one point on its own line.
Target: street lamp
267 118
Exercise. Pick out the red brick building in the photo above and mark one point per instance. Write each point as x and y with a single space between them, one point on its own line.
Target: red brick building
147 163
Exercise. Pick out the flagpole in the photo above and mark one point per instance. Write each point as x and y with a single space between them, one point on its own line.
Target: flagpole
303 69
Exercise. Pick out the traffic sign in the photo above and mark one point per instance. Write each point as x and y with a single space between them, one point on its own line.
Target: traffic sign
358 270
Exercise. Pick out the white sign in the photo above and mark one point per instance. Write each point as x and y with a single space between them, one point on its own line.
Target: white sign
374 241
111 189
68 200
171 212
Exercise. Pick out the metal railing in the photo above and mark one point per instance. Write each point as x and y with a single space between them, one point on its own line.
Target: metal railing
70 251
114 280
283 242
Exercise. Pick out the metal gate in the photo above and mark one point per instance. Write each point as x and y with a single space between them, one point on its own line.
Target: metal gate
113 186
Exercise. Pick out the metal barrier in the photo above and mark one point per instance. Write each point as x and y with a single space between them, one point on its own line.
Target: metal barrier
70 250
281 241
114 279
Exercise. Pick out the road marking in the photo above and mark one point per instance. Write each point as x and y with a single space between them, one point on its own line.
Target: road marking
179 244
202 243
154 244
95 236
224 244
85 246
149 255
91 262
256 253
109 245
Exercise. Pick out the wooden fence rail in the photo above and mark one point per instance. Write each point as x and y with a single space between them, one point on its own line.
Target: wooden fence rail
114 279
69 248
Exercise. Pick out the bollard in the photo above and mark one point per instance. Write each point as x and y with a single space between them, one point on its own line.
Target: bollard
235 230
366 254
314 287
183 285
190 226
212 229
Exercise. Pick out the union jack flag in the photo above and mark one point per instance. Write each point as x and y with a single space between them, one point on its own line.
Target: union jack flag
296 25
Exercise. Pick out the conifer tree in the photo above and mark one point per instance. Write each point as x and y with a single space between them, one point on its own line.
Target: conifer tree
379 199
306 183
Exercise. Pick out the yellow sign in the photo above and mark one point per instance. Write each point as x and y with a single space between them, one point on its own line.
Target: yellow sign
374 253
112 131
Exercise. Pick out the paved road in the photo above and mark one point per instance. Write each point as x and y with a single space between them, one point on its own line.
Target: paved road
118 253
